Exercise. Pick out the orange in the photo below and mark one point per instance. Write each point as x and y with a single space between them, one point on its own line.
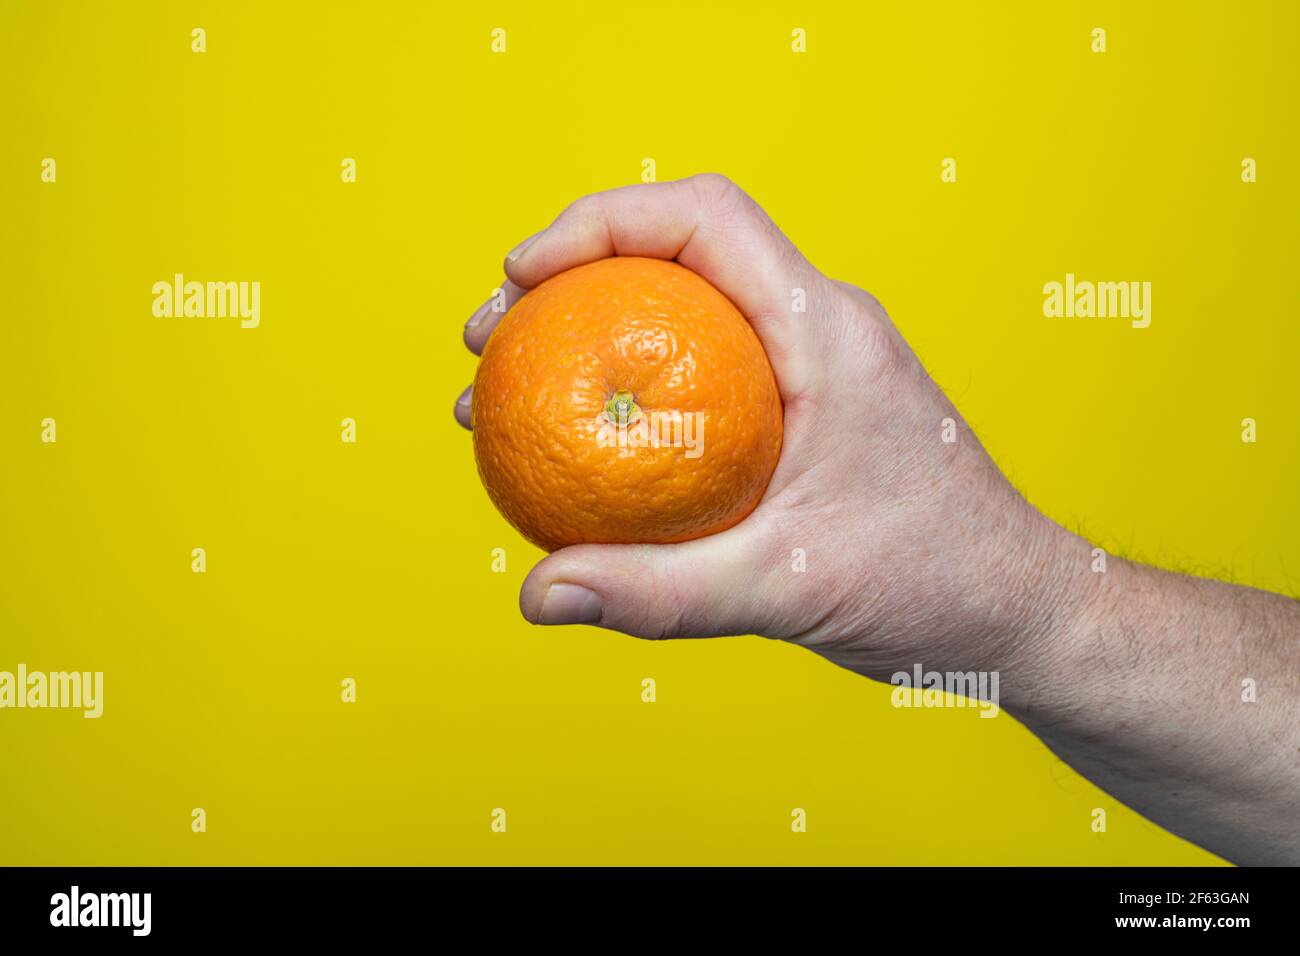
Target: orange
625 401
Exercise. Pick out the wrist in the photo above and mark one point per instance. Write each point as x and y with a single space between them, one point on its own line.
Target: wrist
1061 585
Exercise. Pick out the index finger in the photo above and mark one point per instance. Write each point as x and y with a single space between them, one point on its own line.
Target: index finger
706 223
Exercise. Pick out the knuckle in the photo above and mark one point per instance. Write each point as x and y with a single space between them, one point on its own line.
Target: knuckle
717 193
878 341
860 297
667 609
714 184
862 312
867 334
582 208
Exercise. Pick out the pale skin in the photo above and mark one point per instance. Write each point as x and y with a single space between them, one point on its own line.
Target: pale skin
920 551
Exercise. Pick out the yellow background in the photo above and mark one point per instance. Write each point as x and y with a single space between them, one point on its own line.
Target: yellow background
328 560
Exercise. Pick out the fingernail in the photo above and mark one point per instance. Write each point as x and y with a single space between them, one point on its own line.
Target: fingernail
570 604
464 400
478 315
519 250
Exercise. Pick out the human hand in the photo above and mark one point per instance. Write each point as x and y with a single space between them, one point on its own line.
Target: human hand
916 550
914 547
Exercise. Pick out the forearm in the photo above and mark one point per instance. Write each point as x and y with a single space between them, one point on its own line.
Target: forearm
1177 695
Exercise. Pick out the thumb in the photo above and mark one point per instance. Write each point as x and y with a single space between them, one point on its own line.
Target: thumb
704 588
